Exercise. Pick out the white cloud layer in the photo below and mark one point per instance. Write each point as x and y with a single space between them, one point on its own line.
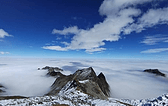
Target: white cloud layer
21 77
155 39
157 50
121 16
3 34
125 77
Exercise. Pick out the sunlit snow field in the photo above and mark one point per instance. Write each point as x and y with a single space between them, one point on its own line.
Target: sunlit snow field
126 77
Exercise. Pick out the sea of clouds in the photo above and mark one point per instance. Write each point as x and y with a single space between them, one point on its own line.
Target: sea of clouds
126 77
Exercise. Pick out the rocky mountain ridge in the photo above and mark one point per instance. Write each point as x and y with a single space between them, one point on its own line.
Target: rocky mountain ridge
84 80
155 71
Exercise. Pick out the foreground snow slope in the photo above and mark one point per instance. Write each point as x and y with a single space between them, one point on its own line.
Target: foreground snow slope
73 97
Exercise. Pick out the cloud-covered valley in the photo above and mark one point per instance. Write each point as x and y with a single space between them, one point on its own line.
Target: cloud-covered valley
125 77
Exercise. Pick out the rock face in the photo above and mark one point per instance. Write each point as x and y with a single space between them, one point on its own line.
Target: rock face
84 80
155 71
53 71
2 89
52 68
103 84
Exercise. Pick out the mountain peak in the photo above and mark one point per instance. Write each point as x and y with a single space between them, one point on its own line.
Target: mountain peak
84 74
101 75
84 80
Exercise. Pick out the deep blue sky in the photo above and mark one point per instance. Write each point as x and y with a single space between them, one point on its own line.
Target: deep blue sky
27 28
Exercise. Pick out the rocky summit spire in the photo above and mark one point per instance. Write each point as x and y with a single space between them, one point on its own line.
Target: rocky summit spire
84 80
103 84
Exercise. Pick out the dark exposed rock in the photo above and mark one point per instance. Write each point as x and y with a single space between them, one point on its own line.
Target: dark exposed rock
2 89
54 74
59 83
52 68
1 86
99 80
103 84
11 97
155 71
46 68
84 80
85 74
53 71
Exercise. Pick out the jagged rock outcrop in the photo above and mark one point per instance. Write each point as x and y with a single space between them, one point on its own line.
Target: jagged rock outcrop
53 71
52 68
103 84
84 80
155 71
2 89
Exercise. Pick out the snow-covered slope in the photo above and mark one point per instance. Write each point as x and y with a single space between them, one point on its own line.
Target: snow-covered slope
159 101
73 97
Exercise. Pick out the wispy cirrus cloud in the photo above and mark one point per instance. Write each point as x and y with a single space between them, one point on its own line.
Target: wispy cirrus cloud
65 43
66 31
149 19
157 50
153 40
3 34
122 16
